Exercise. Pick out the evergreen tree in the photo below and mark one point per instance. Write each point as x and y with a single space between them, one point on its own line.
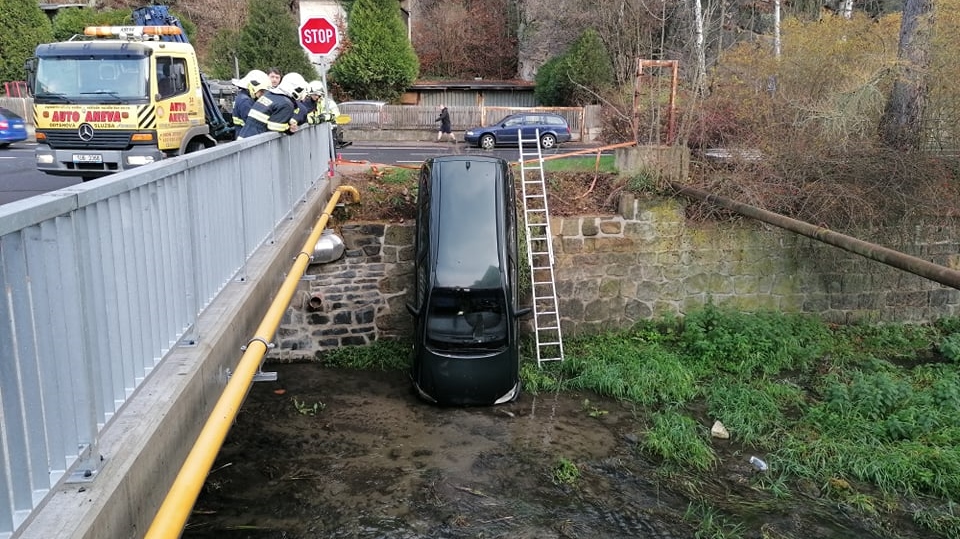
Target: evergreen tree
223 49
24 27
578 75
71 21
378 62
269 38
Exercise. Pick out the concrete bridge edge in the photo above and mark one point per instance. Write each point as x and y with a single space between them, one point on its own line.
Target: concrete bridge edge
145 443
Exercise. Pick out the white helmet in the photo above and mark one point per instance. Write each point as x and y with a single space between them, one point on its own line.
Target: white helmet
254 81
257 80
317 88
292 85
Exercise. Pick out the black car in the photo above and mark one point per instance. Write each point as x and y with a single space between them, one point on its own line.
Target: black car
465 305
551 128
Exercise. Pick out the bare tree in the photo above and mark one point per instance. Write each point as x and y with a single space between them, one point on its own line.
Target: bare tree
546 28
700 51
466 38
901 126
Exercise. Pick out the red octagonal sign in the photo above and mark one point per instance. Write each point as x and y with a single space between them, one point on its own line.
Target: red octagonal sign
318 35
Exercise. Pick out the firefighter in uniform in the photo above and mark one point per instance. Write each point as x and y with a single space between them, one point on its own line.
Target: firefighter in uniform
306 107
276 109
249 89
319 108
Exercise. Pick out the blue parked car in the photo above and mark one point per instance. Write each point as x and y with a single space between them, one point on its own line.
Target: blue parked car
13 128
553 130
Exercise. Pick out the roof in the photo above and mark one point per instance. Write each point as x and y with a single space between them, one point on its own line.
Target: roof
473 84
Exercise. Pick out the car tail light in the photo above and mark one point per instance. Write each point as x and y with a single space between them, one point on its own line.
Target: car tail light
4 124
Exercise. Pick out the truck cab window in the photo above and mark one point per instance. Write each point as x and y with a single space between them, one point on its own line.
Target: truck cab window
171 76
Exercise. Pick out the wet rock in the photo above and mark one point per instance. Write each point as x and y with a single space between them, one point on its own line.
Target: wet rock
719 431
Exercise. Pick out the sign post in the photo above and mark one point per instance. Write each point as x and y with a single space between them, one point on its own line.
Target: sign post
318 35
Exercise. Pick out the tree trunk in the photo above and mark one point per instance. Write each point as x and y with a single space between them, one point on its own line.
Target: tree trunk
700 70
901 126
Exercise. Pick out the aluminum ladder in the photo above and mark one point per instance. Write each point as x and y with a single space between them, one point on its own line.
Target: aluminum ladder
536 217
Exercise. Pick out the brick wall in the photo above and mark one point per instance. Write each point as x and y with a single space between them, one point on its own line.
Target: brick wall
612 271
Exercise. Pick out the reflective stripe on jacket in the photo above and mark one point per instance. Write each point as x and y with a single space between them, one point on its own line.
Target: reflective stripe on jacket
241 107
272 112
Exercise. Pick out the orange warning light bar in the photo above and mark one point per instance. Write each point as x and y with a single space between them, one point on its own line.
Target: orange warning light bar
127 31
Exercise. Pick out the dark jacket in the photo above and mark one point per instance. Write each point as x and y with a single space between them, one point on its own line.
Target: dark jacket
241 107
444 120
272 112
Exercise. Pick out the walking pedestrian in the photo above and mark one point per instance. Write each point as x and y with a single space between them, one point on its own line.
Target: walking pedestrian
445 127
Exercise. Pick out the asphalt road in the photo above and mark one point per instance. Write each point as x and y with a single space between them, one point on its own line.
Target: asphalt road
20 179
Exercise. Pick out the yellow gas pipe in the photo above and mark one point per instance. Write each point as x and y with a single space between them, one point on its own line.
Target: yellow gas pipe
175 510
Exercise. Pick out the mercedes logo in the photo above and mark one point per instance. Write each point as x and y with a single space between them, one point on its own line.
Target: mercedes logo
85 132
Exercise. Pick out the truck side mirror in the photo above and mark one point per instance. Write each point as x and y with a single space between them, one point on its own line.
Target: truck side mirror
520 313
30 66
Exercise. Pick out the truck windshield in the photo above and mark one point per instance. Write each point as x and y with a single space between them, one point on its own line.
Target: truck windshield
463 318
85 80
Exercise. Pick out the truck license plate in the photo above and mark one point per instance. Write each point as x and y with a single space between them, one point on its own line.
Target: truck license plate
87 158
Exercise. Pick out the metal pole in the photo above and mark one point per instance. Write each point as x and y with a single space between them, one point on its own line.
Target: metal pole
912 264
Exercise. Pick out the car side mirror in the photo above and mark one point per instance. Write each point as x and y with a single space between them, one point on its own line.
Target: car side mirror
520 313
412 310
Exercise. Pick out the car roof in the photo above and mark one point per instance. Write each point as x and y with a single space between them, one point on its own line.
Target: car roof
535 113
362 102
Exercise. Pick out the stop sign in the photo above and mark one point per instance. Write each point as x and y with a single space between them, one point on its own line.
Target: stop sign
318 35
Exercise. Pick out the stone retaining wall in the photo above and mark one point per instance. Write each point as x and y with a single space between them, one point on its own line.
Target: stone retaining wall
613 271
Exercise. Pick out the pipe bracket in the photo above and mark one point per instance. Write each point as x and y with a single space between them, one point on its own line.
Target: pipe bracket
268 345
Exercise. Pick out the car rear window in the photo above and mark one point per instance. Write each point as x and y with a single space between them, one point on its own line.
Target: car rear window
467 250
555 120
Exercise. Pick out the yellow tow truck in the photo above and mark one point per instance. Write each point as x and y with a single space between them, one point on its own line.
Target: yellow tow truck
122 97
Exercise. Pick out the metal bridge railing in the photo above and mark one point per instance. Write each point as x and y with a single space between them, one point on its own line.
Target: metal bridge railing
100 281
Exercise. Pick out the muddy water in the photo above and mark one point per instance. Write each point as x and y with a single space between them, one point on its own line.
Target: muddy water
329 453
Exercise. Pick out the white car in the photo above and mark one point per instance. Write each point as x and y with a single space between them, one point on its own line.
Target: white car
364 113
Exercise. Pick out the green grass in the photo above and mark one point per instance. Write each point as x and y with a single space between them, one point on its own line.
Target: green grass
381 355
586 163
866 411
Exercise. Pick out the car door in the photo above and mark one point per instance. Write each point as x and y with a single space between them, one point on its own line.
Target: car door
507 131
530 126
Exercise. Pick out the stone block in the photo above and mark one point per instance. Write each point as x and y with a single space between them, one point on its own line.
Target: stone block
609 288
571 245
636 310
610 226
399 235
570 227
589 227
612 244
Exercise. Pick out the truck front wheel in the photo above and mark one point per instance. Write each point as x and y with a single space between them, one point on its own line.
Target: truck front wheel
195 145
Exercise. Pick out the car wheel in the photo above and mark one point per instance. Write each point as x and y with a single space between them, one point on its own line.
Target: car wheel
4 144
195 145
548 141
487 142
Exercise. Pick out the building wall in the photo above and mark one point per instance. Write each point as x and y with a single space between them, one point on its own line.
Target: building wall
614 270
